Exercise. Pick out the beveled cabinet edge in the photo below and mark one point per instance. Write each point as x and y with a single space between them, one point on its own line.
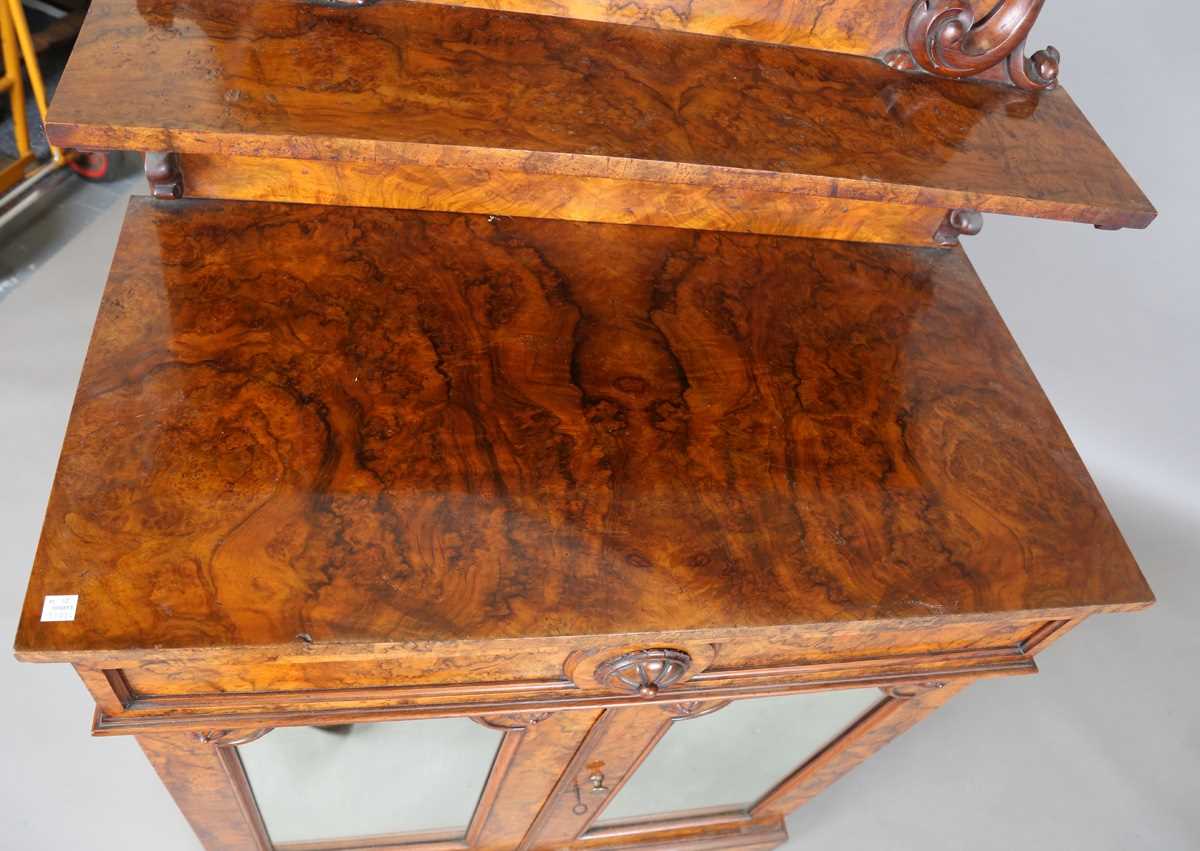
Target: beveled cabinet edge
307 650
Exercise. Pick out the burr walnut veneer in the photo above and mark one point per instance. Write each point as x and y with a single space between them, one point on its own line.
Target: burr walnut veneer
332 465
409 105
613 379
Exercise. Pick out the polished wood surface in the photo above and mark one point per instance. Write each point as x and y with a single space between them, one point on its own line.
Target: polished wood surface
951 39
861 27
612 750
415 84
484 669
558 196
596 444
300 426
546 749
890 30
697 832
205 776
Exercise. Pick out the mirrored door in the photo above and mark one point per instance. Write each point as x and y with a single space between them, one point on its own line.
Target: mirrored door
732 755
402 779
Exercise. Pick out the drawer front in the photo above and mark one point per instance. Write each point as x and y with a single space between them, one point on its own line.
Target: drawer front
436 681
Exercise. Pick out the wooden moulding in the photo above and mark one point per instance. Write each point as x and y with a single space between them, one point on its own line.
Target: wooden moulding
527 703
699 832
125 706
588 679
543 116
575 197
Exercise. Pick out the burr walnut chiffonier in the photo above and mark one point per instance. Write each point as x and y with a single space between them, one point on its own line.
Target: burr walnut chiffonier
515 424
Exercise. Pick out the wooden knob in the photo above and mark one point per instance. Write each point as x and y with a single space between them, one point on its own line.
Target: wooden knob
646 672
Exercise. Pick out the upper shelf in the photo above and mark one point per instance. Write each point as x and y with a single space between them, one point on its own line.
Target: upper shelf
371 426
406 85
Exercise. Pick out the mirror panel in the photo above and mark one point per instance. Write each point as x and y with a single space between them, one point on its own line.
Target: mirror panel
736 754
393 777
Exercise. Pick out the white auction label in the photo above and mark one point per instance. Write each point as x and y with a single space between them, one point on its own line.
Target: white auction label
59 607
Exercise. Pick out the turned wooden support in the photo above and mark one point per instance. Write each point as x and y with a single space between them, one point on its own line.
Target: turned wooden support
958 223
163 175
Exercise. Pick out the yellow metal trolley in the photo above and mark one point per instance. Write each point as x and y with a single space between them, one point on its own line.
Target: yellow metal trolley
20 176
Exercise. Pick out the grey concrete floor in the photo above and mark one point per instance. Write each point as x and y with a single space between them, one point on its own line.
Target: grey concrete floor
1099 751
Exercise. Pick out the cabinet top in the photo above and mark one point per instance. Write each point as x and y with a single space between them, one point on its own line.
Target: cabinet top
366 426
476 89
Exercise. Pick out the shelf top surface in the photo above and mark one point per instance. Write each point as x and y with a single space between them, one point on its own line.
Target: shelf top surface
410 82
378 426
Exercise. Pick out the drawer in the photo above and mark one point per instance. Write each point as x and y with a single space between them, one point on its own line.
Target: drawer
544 666
562 675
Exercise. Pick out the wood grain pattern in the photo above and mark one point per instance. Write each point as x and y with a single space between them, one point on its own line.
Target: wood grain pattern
369 426
861 27
209 785
541 669
362 708
545 751
612 750
413 84
615 199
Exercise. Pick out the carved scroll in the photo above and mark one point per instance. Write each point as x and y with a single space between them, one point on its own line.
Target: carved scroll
696 708
911 690
231 738
944 38
511 720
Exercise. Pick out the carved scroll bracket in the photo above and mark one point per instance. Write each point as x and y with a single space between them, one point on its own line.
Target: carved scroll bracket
164 175
958 223
511 720
696 708
231 738
910 690
945 38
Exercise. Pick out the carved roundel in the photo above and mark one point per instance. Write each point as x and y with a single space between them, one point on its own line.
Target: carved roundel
646 672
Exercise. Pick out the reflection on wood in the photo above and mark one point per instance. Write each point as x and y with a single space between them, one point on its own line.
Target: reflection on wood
465 90
369 425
